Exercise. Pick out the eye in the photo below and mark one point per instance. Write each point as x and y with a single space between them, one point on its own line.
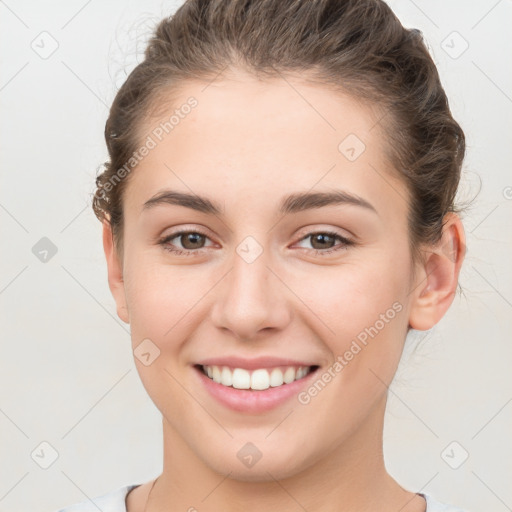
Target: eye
322 242
191 242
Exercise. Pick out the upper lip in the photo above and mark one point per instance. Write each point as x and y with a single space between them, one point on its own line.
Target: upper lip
253 364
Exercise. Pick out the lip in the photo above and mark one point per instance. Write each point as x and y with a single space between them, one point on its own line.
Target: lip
253 401
255 363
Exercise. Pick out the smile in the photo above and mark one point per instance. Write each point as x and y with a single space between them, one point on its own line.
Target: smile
258 379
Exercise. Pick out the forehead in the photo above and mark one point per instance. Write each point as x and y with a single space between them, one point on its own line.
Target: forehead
245 139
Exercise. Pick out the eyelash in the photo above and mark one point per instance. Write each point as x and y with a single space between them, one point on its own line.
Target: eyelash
164 242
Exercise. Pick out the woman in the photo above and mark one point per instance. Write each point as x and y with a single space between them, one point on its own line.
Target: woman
278 212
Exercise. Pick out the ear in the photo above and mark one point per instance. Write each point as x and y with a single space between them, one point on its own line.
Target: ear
115 273
438 275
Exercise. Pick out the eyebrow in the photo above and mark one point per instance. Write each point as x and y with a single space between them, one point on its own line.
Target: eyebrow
294 203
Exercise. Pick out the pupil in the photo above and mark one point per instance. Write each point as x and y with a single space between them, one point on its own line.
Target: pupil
323 238
194 238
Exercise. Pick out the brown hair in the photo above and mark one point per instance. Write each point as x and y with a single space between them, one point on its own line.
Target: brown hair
355 46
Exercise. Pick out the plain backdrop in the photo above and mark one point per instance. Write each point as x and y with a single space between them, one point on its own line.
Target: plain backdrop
75 421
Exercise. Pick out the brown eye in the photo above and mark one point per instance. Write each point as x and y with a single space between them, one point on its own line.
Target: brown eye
185 243
322 241
191 240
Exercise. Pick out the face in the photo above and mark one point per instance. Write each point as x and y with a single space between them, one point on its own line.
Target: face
263 279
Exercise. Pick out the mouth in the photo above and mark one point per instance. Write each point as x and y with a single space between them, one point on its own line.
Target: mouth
259 379
254 385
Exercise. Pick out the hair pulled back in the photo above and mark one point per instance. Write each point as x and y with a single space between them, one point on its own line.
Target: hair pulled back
356 46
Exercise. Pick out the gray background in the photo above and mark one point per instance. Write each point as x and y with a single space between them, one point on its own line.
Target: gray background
68 376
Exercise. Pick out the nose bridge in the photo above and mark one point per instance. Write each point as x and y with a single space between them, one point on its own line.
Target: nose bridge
250 298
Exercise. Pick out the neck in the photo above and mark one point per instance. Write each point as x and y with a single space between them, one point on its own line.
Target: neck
352 476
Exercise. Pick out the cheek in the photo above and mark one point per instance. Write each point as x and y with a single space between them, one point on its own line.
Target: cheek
162 299
355 297
363 306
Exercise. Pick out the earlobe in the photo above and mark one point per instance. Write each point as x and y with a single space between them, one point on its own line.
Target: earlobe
435 286
115 273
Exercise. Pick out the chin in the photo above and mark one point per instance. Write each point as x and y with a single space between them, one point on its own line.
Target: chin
261 472
268 467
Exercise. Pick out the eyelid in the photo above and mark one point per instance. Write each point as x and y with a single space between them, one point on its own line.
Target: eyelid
344 242
184 229
306 233
303 233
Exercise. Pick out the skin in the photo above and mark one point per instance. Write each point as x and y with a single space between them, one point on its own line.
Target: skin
246 145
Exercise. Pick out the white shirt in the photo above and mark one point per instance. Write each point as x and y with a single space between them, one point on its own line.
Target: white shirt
115 501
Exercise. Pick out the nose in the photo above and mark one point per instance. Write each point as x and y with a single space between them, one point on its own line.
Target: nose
251 298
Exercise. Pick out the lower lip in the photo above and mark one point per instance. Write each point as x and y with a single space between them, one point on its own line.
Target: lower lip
253 401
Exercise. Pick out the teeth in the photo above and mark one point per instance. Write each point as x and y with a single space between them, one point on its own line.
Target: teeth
226 379
289 375
276 377
216 374
241 378
260 379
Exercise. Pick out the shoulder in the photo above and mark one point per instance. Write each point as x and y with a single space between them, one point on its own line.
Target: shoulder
113 501
436 506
